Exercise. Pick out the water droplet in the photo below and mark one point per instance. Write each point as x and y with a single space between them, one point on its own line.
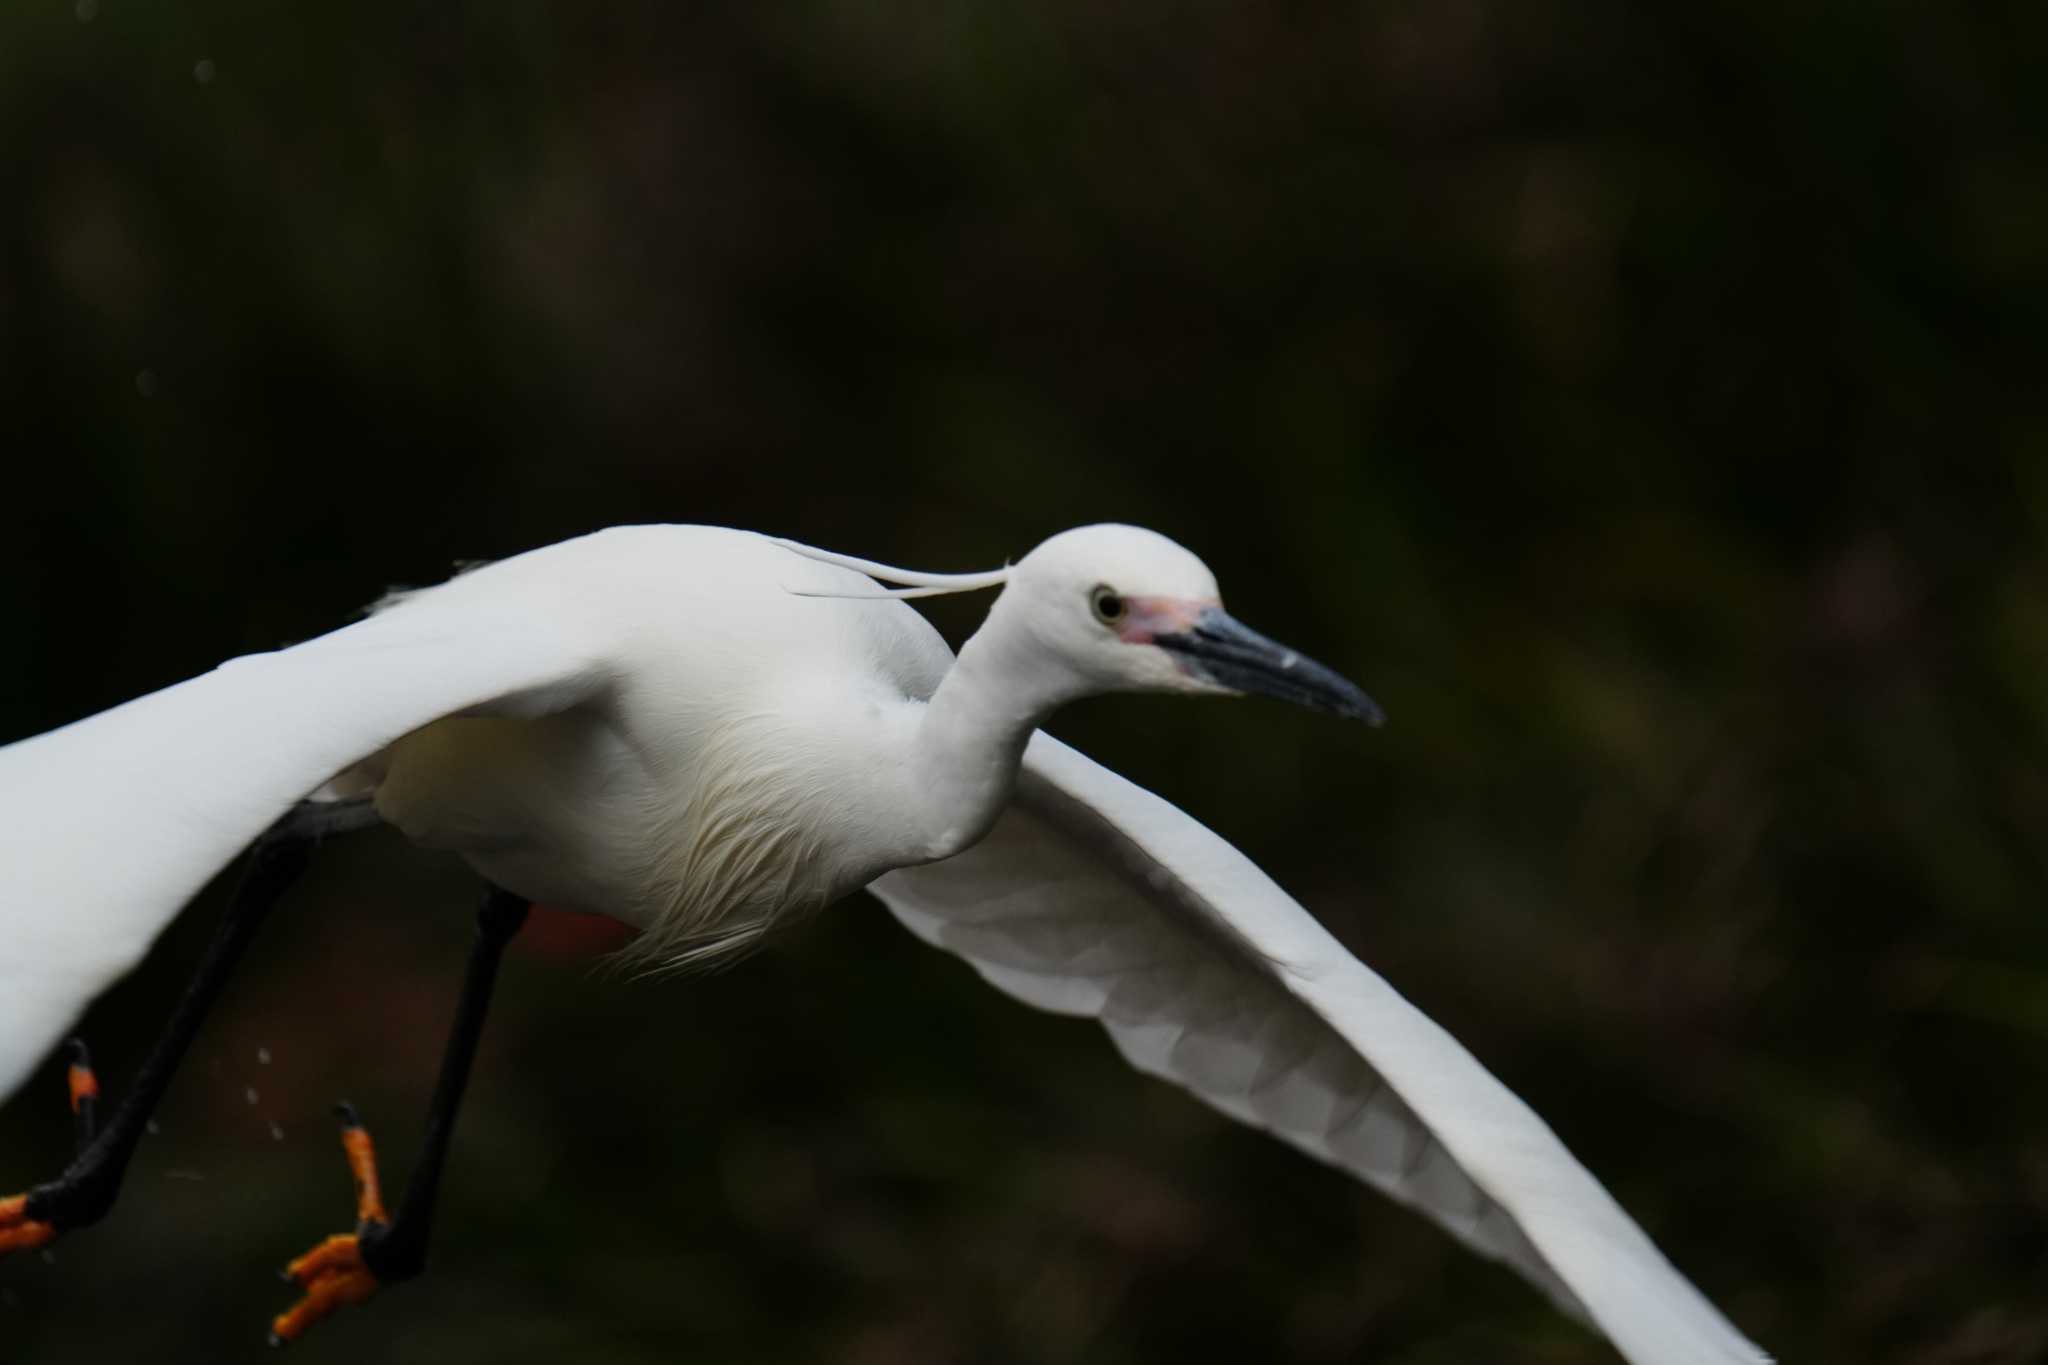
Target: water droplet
276 1131
86 10
263 1056
49 1256
151 1128
202 71
249 1094
145 383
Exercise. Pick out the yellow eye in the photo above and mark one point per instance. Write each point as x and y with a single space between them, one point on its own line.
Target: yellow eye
1109 608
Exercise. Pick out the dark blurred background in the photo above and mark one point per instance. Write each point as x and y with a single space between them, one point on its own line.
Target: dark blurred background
1645 403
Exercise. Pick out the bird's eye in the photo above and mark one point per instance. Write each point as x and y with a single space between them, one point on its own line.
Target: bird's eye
1109 608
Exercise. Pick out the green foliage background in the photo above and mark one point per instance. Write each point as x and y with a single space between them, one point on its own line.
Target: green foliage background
1645 403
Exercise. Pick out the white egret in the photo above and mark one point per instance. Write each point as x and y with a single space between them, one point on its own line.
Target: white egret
702 731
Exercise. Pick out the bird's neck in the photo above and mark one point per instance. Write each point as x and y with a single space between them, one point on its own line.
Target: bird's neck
971 737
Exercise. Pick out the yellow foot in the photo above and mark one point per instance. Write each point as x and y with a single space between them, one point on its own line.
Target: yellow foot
333 1276
18 1231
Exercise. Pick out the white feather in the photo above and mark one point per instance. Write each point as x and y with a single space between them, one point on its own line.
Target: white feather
1093 896
109 826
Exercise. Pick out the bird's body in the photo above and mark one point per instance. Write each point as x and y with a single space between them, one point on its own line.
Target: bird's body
753 754
701 732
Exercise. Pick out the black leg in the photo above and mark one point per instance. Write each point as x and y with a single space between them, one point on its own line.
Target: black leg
349 1268
398 1250
86 1190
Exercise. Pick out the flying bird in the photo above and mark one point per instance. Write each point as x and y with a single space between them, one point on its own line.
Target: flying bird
704 732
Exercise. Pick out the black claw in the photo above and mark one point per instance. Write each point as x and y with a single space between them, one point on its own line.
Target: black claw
80 1056
346 1112
276 1342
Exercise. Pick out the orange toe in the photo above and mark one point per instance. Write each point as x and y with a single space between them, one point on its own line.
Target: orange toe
333 1276
18 1231
336 1253
26 1236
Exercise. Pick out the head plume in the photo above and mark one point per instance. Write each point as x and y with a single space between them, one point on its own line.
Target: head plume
916 584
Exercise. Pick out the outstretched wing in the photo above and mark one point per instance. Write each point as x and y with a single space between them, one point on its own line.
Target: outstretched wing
1092 896
110 825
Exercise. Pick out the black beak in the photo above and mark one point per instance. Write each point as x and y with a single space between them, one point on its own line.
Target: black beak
1222 650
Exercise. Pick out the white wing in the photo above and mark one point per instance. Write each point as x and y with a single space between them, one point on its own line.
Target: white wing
110 825
1091 896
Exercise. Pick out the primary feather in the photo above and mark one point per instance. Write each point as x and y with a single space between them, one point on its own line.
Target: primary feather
1094 897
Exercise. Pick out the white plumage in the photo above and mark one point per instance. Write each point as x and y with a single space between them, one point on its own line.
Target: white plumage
701 731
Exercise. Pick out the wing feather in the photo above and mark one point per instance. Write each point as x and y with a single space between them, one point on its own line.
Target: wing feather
1091 896
110 825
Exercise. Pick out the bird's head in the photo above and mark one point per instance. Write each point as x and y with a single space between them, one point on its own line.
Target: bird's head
1129 610
1114 609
